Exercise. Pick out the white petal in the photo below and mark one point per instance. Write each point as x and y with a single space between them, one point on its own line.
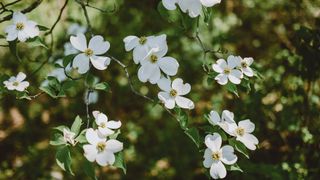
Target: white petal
90 152
79 42
214 118
235 76
227 116
81 63
114 146
210 3
169 4
248 60
222 63
100 62
217 68
249 140
222 79
98 45
233 61
22 86
164 84
105 158
22 36
21 76
113 124
12 33
247 71
92 137
213 142
139 53
95 114
207 162
228 156
18 17
146 71
169 65
105 131
101 118
31 29
165 97
247 125
182 89
184 102
155 76
217 170
193 7
130 42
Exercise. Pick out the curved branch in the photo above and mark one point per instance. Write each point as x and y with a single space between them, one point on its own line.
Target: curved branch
58 19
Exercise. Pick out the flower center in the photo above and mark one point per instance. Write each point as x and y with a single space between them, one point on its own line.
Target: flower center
19 26
173 93
240 131
103 125
88 52
244 65
142 40
227 71
15 84
216 156
153 58
101 146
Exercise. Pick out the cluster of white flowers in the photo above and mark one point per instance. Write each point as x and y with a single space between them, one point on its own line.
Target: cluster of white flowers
17 82
22 28
192 7
214 155
233 69
101 147
150 53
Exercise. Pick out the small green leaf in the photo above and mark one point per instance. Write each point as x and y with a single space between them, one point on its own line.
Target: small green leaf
193 133
89 169
120 163
36 42
232 88
102 86
43 28
182 118
57 140
115 135
63 159
60 128
48 90
239 147
82 137
234 167
23 95
91 80
67 59
76 125
207 15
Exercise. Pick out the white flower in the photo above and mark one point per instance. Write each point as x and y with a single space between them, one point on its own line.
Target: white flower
75 28
141 46
17 83
100 149
68 136
155 61
89 53
22 28
172 94
215 157
227 70
192 7
226 118
69 49
104 126
245 66
242 132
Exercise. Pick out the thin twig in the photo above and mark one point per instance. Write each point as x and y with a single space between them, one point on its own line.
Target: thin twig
58 19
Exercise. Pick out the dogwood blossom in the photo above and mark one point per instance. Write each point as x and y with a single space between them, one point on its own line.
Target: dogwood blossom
100 149
153 63
173 93
245 66
90 53
22 28
216 156
68 136
192 7
141 46
226 118
228 70
75 29
104 126
17 83
242 132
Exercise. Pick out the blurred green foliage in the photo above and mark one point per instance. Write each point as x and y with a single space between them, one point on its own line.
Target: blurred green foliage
282 36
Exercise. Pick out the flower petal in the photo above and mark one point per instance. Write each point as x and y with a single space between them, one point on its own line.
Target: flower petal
139 53
207 162
155 76
21 76
184 102
214 118
209 3
101 118
168 65
105 131
98 45
114 146
228 156
217 170
105 158
247 125
31 29
146 71
235 76
193 7
81 63
169 4
79 42
164 84
247 71
90 152
222 79
213 141
168 101
92 137
248 60
249 140
182 89
113 124
22 36
18 17
22 86
100 62
233 61
130 42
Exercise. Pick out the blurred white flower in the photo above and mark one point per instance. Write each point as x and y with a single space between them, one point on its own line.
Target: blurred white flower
22 28
58 73
173 93
216 156
17 83
76 28
100 149
192 7
69 49
228 70
226 118
93 97
68 136
245 66
90 53
105 127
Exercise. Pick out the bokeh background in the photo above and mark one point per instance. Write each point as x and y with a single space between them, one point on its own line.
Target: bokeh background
282 36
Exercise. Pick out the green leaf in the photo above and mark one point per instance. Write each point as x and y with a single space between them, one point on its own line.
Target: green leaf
13 49
82 137
102 86
23 95
234 167
2 36
232 88
76 125
67 59
60 128
182 118
57 140
43 28
120 163
89 169
193 133
91 80
63 159
36 42
48 90
207 15
115 135
239 147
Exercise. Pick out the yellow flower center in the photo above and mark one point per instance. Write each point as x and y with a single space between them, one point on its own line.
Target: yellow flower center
142 40
88 52
15 84
240 131
103 125
244 64
216 155
173 93
101 146
19 26
153 58
227 71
